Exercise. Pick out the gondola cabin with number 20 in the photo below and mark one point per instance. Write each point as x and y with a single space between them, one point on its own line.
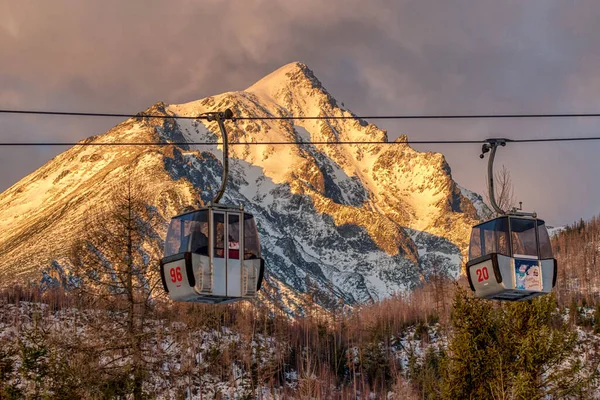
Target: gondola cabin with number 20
510 258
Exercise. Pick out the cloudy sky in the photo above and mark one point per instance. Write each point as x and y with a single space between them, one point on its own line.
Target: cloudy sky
377 56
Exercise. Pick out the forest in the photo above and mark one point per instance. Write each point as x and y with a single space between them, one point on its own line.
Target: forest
111 335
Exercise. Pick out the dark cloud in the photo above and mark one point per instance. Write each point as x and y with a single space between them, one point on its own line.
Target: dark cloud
378 57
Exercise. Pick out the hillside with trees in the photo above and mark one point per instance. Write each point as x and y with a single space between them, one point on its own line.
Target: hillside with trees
577 249
57 345
109 336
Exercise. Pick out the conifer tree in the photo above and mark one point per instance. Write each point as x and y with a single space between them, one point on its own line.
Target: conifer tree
8 371
514 350
115 262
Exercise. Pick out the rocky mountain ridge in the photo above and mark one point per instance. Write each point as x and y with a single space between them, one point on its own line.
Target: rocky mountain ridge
353 221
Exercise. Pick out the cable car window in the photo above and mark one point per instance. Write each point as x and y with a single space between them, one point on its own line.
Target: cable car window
234 236
200 233
251 243
178 235
501 237
489 237
544 238
489 240
524 242
475 244
219 235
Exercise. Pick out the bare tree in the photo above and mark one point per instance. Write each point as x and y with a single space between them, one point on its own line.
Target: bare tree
504 191
114 260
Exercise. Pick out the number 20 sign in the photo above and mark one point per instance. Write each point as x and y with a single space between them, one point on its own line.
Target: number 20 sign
176 275
482 274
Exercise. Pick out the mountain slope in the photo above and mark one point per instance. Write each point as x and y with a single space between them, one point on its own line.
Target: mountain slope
352 221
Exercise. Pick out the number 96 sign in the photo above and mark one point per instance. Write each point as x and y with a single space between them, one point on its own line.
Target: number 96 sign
176 276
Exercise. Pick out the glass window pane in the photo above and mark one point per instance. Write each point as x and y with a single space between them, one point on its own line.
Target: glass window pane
517 246
523 237
475 244
251 241
178 235
199 233
219 235
545 244
490 237
234 236
489 240
501 231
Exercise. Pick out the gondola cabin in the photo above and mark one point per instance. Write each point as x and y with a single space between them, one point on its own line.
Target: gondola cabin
510 258
212 255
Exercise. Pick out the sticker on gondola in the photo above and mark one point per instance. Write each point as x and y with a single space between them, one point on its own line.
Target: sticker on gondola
482 274
528 275
176 276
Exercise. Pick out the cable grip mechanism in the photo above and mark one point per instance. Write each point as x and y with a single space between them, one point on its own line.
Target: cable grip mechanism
220 117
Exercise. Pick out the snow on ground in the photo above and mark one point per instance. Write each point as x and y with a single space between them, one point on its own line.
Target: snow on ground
16 325
555 230
194 358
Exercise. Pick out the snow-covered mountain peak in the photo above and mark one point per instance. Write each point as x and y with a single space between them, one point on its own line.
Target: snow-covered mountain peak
356 221
278 77
294 74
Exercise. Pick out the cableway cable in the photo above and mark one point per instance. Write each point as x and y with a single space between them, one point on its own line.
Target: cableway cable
473 141
272 117
208 117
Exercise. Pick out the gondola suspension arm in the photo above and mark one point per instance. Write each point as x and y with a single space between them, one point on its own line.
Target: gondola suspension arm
492 144
220 117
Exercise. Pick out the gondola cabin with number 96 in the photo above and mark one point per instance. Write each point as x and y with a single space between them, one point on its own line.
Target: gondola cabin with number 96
212 254
201 265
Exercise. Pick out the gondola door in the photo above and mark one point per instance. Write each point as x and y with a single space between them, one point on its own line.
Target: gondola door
234 262
227 266
219 267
